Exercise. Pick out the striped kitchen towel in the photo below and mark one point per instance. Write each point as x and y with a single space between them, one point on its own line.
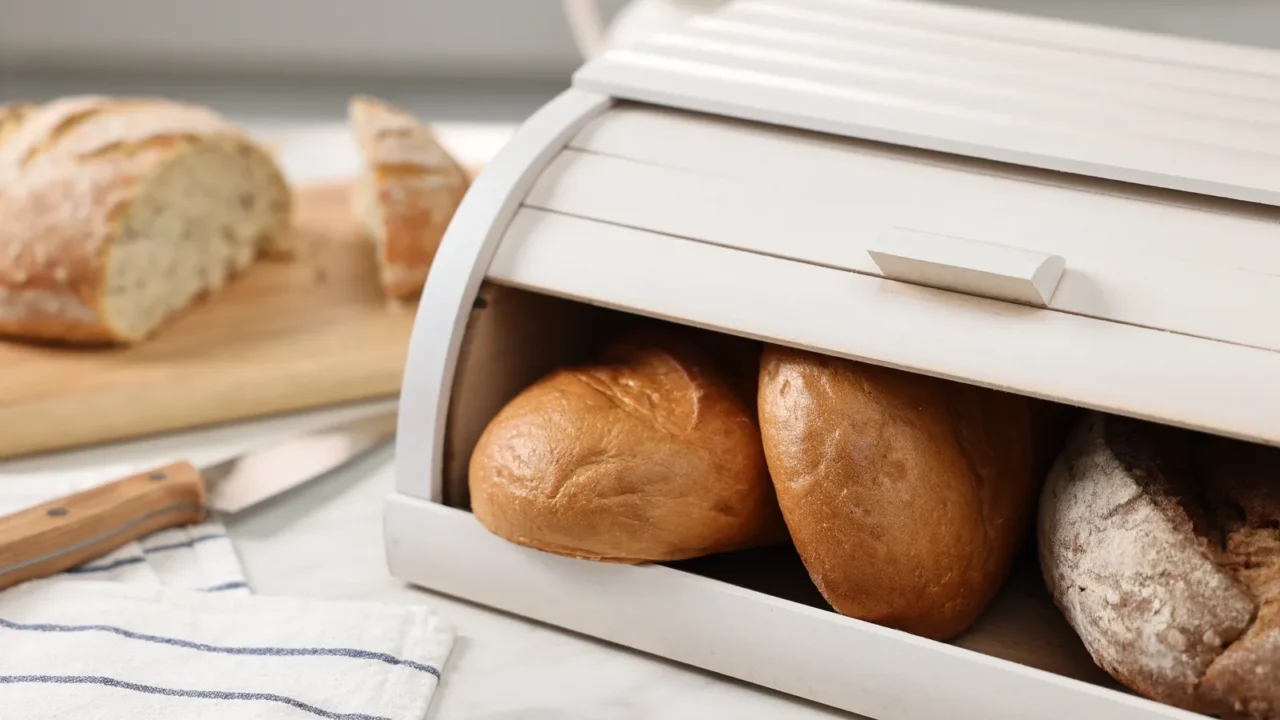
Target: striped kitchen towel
193 557
98 650
167 627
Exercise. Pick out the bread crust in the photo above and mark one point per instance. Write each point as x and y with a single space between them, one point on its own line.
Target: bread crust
1161 548
646 455
415 185
12 116
906 496
69 170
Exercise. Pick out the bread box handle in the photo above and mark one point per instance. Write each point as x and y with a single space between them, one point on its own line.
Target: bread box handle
968 266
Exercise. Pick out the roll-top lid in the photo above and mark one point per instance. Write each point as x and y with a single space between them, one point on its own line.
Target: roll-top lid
1165 112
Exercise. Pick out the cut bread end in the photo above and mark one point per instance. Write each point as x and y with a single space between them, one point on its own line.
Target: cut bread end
406 195
207 213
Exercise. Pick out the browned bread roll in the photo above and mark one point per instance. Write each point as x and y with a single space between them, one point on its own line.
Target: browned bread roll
1162 548
906 496
117 213
407 194
647 455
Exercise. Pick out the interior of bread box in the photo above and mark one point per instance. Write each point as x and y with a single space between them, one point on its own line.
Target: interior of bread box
515 336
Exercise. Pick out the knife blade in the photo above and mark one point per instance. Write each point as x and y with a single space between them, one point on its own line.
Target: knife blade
68 531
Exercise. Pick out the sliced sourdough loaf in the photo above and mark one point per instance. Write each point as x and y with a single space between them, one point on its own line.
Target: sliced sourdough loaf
117 213
407 194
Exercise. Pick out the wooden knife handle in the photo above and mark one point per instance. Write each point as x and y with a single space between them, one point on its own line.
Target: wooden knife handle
74 529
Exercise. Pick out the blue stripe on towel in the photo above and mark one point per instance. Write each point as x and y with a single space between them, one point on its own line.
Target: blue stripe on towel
174 692
132 560
184 543
276 651
236 585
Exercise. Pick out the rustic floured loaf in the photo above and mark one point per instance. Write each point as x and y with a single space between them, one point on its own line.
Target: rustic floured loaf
407 194
1162 548
117 213
647 455
907 496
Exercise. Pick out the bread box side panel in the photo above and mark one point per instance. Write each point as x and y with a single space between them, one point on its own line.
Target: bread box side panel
456 274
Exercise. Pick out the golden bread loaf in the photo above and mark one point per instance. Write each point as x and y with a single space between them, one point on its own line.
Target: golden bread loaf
648 454
907 496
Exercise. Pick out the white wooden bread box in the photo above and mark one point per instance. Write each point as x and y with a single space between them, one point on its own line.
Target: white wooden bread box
1080 214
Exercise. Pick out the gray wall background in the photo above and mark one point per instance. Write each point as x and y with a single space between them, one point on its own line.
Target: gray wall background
514 39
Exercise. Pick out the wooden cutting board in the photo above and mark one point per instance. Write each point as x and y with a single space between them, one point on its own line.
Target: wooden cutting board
282 337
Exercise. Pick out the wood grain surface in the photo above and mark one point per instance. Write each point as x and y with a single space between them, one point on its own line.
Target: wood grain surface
284 336
69 531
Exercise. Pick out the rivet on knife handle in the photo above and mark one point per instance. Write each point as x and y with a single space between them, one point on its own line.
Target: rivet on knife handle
63 533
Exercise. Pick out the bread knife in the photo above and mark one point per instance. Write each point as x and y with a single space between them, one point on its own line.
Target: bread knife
69 531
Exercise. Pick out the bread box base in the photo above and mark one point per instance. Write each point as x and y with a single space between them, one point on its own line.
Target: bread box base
754 615
1020 662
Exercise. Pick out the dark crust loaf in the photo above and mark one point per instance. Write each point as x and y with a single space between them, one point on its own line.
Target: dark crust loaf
1162 548
907 496
649 454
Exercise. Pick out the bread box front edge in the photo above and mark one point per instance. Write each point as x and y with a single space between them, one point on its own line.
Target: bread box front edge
455 278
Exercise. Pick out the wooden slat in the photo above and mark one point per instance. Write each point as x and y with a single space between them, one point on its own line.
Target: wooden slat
1165 377
723 145
1033 31
1050 46
893 55
1201 273
1243 234
967 94
1161 135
